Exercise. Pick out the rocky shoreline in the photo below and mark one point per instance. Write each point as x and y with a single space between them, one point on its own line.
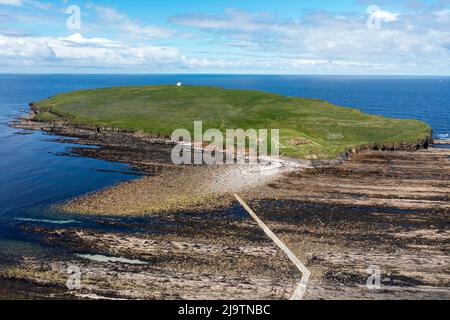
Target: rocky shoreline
377 208
442 142
139 140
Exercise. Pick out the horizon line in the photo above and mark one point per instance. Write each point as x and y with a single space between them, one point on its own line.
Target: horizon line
224 74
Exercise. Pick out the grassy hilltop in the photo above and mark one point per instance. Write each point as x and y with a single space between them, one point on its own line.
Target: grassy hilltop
308 127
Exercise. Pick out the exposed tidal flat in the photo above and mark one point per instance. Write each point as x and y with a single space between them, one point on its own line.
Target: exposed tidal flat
385 209
382 208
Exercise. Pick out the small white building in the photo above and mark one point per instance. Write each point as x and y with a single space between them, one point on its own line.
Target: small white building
179 84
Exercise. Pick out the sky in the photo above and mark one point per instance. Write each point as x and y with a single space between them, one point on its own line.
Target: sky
367 37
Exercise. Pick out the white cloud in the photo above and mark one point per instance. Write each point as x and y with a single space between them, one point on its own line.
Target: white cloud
385 16
19 3
268 65
39 4
415 43
236 20
443 15
120 21
22 49
11 2
78 51
240 41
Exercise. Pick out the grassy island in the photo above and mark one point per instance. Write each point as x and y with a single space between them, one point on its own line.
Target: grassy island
308 127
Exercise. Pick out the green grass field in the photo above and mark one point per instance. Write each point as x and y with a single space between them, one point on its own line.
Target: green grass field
308 127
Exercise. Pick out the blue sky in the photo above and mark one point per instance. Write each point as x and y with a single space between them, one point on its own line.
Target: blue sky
228 36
